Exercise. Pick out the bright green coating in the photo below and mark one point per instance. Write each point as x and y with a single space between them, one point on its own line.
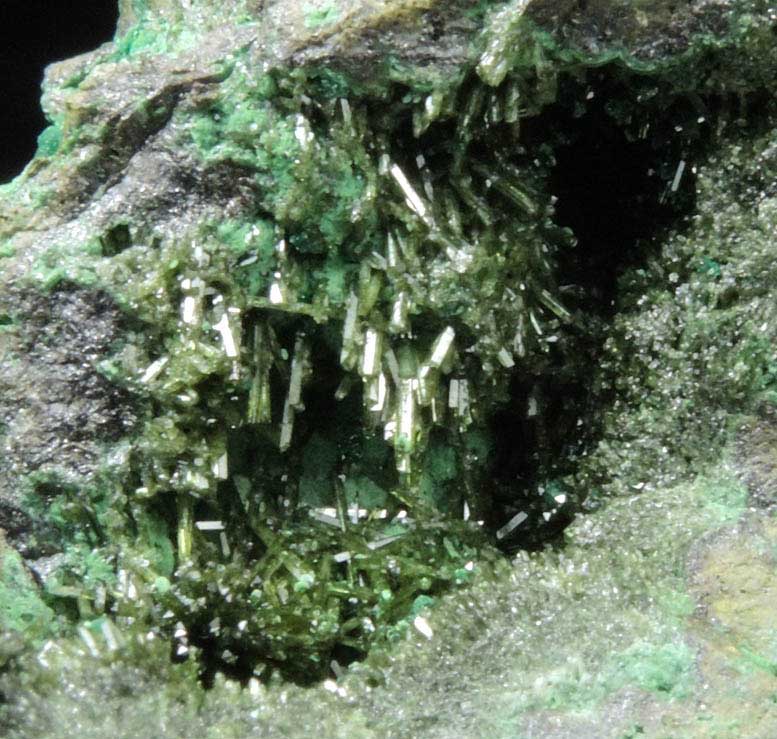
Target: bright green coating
317 17
22 612
49 141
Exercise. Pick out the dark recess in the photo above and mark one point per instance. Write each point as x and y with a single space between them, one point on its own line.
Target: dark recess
613 186
37 33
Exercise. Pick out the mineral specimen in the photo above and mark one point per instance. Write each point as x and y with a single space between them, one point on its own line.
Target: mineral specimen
283 278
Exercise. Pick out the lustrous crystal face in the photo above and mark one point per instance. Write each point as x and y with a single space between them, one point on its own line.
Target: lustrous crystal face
370 329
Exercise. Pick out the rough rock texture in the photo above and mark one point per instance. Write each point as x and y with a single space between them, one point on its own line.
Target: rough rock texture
243 211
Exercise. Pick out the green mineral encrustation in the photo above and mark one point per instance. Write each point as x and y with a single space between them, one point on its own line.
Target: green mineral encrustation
293 270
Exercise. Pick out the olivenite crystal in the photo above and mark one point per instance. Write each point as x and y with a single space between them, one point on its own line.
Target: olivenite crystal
280 282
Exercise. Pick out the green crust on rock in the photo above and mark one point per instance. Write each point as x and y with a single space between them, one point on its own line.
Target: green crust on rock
24 617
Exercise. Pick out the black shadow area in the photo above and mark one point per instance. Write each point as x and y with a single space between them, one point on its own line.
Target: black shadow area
35 34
